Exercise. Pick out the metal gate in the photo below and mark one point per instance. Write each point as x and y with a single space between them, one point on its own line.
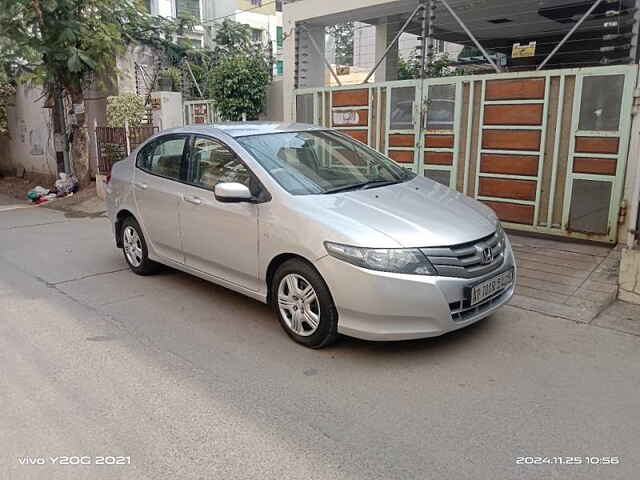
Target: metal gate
199 111
546 150
115 143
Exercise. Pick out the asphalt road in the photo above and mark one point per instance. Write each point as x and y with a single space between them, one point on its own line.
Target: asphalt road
188 380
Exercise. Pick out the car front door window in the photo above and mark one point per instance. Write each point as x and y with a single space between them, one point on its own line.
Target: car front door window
164 158
213 163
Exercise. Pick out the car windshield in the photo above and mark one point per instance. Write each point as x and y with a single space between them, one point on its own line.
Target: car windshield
321 162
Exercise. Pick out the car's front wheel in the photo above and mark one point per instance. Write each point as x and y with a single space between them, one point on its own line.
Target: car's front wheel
304 305
134 248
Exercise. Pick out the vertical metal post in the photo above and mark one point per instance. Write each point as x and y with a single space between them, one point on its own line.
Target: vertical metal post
556 152
430 13
568 35
467 151
635 37
326 62
424 32
127 137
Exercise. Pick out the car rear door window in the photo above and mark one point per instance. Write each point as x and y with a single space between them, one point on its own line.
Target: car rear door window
211 163
164 157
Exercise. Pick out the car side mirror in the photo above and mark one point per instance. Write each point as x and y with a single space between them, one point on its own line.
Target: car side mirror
231 192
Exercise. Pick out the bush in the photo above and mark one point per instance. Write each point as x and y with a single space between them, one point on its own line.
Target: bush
239 85
6 91
128 107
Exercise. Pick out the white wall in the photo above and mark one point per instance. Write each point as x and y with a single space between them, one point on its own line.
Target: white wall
267 23
30 140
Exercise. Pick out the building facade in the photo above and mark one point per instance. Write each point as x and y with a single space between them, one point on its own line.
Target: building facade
264 17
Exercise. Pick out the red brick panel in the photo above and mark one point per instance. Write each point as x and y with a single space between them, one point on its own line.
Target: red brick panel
401 156
438 158
508 188
600 166
512 212
515 89
597 144
351 98
401 140
360 135
511 139
509 164
513 114
438 141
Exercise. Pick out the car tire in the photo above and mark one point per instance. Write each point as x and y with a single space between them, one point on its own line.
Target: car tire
303 303
134 248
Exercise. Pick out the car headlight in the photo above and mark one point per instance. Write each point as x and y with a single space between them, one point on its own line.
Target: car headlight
396 260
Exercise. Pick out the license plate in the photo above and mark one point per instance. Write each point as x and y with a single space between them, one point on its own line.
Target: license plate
485 289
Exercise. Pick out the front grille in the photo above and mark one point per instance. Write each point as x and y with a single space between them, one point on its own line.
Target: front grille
466 260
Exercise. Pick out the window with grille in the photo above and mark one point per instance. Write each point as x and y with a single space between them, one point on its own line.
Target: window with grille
256 35
188 8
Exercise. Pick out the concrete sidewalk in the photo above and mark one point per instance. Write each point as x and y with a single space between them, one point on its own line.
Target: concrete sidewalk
576 281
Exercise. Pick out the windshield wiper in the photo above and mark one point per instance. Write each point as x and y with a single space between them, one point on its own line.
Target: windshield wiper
379 183
362 186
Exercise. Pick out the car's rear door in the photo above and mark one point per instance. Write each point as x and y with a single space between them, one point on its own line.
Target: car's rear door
218 238
160 171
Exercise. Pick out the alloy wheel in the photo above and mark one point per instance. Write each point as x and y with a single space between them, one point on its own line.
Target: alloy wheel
298 304
132 246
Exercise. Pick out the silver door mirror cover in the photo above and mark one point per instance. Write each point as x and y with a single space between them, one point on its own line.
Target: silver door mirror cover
232 192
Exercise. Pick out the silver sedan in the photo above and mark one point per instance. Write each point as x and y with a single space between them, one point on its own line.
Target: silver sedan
332 234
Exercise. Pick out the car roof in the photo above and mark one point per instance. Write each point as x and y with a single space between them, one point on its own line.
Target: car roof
243 129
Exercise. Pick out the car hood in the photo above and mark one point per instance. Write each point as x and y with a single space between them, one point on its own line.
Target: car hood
417 213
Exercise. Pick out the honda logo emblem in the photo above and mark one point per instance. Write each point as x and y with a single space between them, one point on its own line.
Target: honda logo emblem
487 256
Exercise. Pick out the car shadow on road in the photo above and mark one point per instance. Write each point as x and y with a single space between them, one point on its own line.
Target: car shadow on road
260 316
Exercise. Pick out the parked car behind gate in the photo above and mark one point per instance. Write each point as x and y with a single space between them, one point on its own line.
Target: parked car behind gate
335 236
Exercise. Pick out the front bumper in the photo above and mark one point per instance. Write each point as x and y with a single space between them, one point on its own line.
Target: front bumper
382 306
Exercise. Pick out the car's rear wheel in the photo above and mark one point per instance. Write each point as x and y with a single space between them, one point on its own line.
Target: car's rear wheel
135 250
304 304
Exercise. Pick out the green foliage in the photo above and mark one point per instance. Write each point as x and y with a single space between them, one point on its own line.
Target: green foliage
202 61
128 107
343 37
232 38
6 92
60 42
236 73
440 67
239 85
173 77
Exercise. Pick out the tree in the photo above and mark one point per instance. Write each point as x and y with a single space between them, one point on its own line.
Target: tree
239 86
343 38
240 75
63 44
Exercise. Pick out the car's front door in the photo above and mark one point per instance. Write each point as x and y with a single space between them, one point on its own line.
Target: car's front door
218 238
160 167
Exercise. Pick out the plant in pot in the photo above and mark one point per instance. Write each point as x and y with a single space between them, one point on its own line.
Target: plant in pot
170 80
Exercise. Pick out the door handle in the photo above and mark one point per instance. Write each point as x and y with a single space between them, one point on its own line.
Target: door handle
193 200
142 186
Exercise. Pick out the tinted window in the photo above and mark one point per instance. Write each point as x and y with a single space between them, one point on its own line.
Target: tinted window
212 163
163 157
